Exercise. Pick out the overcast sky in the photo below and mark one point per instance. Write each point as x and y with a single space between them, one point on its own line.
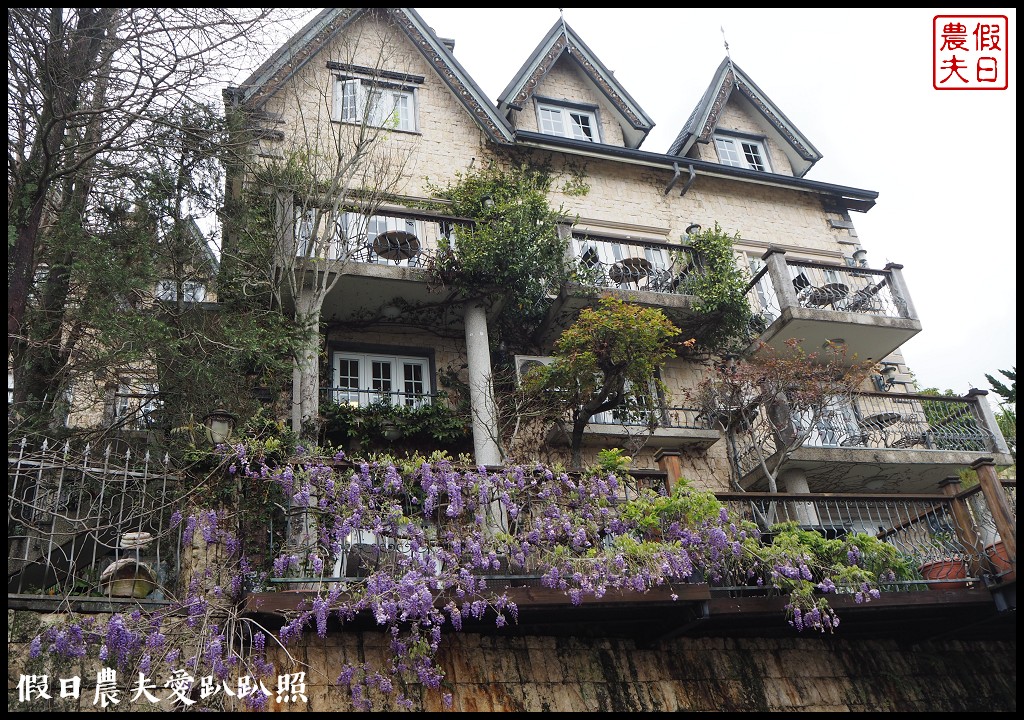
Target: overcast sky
858 84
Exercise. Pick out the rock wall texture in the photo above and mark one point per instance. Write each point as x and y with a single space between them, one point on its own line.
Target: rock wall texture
488 673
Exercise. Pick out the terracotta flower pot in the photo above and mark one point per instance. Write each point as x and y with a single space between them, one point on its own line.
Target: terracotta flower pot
948 569
1001 560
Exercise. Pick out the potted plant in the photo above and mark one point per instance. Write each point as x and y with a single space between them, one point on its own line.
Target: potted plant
946 568
1000 559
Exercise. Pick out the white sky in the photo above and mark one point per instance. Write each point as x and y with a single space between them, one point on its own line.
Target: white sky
858 84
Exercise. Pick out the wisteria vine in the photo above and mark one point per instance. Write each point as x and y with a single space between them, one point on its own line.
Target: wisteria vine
421 546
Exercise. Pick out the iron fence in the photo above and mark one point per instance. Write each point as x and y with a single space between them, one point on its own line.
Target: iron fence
91 522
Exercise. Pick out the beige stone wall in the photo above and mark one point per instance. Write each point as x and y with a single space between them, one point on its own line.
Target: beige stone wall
629 200
542 674
447 138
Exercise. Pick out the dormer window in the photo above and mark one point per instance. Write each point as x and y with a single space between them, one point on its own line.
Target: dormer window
742 153
568 121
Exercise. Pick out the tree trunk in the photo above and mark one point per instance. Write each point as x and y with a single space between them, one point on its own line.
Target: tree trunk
64 68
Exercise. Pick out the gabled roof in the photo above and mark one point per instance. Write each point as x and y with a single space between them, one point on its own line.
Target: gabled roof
318 32
704 118
563 40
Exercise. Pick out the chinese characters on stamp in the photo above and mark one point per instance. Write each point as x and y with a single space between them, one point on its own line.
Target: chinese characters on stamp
970 52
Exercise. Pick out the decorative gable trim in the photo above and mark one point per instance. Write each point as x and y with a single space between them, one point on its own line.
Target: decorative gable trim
304 45
704 119
562 40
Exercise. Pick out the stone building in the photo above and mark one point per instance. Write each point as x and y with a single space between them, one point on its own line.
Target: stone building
354 126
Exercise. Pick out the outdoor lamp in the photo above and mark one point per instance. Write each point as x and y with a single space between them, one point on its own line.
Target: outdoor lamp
886 378
692 229
219 424
860 257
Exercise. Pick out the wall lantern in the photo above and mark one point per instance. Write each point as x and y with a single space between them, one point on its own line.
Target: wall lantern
219 424
886 378
692 229
860 256
392 432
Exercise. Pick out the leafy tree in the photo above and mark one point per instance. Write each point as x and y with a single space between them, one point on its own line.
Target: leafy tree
1006 417
100 100
769 403
1008 394
513 254
608 359
723 316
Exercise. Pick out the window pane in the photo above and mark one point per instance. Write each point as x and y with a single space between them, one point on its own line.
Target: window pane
753 155
380 376
551 122
727 152
581 129
412 383
350 101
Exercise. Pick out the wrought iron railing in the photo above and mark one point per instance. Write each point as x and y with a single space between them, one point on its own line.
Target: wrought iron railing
869 420
360 398
946 548
821 286
90 522
636 265
942 541
399 238
662 416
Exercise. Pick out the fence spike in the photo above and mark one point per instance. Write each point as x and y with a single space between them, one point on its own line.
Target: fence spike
46 444
106 453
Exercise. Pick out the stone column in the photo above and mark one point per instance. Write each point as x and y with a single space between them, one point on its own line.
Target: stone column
778 271
481 397
899 289
984 412
794 481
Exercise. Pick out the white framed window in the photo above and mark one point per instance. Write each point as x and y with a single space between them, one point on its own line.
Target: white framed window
742 153
379 105
567 122
361 379
191 290
137 404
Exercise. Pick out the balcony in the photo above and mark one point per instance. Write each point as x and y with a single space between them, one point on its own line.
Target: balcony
656 423
869 310
76 519
924 529
647 272
669 428
383 258
884 442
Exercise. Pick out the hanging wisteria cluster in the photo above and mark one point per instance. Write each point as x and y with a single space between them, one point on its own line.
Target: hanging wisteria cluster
422 546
